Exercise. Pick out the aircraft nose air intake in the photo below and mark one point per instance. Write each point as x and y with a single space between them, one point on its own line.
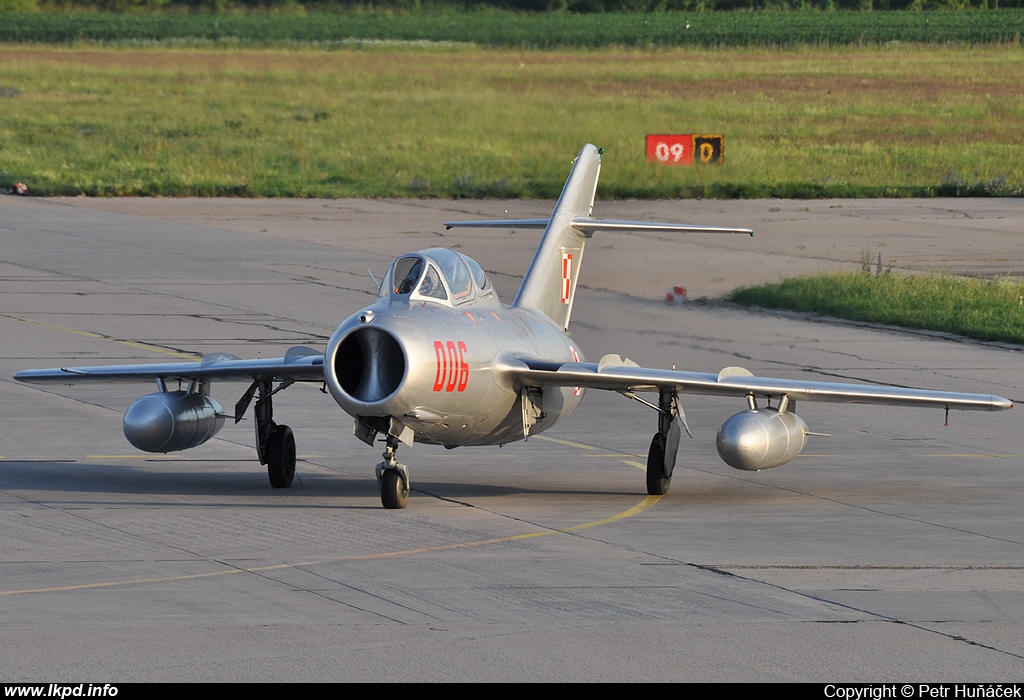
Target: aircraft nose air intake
369 365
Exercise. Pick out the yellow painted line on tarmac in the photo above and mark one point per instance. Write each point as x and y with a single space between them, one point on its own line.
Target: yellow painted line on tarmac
451 455
971 456
643 505
628 513
99 336
560 441
129 582
147 456
613 456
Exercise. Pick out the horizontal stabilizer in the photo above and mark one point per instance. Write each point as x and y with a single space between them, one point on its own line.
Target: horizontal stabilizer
588 226
499 223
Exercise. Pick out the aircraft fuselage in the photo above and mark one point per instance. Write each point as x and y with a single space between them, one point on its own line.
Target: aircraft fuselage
432 367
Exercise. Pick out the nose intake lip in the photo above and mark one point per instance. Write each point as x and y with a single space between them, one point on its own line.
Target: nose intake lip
369 365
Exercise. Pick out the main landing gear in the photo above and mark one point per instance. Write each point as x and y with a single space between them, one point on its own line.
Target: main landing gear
275 444
281 457
393 477
661 459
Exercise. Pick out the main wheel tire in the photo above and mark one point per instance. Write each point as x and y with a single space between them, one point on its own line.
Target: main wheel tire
657 482
281 457
394 494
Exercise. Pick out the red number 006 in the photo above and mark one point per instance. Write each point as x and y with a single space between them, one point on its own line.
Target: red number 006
452 370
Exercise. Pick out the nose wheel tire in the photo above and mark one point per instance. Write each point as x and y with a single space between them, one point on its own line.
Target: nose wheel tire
657 482
281 457
394 493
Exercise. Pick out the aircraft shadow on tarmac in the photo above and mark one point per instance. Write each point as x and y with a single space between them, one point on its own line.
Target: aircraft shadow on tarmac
99 477
706 487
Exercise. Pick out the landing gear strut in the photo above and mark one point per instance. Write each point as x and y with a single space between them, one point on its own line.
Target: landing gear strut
393 478
661 459
275 444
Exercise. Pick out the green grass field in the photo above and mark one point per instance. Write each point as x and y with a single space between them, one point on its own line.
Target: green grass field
991 310
467 122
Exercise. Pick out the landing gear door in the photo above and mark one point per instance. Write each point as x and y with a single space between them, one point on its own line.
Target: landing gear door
532 399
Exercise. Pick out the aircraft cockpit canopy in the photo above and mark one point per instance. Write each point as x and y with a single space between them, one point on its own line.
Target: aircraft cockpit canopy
437 274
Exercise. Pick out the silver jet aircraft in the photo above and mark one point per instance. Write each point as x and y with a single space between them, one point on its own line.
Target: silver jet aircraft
439 359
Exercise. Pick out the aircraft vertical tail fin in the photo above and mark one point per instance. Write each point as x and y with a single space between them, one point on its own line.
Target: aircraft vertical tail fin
550 284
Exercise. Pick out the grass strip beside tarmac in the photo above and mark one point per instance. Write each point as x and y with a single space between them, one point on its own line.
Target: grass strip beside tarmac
988 310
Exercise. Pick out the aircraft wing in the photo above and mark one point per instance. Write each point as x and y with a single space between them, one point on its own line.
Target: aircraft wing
298 364
624 376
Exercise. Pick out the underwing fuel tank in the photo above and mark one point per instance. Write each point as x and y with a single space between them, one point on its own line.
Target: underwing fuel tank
761 438
168 421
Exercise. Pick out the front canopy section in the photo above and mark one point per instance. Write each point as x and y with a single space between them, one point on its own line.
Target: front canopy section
438 275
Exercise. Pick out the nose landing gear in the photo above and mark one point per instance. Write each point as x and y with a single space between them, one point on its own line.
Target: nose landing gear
393 478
